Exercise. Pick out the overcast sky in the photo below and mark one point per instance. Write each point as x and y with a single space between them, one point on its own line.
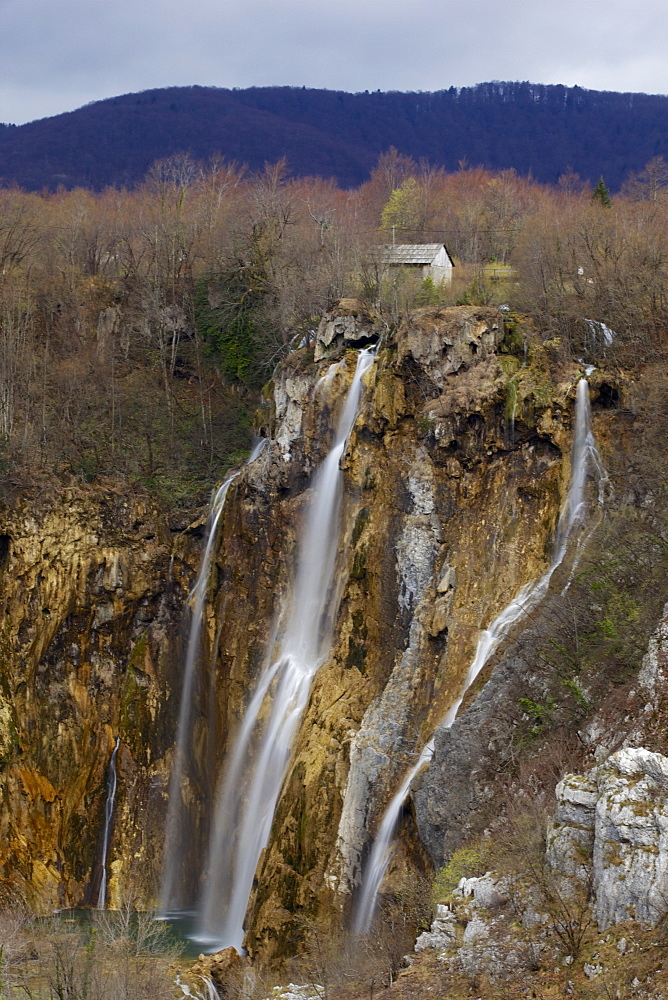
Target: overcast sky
56 55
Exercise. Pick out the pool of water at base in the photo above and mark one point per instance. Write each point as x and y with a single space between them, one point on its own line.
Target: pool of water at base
178 929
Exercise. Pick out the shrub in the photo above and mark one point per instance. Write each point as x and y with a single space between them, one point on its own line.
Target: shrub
466 862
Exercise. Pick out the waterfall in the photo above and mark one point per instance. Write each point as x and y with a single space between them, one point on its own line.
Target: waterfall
599 332
258 448
584 454
209 991
175 849
108 816
250 786
511 409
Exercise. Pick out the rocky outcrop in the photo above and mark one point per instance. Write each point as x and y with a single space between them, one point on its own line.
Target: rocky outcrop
611 825
90 622
350 323
442 934
571 836
225 969
445 344
448 510
653 675
446 515
474 935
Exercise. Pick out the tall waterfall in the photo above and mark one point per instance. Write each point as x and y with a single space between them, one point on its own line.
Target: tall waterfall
175 850
251 783
108 816
584 455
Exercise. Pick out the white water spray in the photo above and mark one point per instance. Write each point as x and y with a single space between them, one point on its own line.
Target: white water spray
258 448
208 991
251 784
584 454
600 332
175 853
108 816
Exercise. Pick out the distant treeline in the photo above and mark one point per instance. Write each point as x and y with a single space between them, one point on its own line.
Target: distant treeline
540 131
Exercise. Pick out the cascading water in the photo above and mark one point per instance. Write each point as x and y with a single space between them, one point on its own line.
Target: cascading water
599 332
108 816
175 850
208 991
584 454
252 780
258 448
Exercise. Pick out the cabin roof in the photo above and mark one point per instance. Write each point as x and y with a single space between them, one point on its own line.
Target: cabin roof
412 253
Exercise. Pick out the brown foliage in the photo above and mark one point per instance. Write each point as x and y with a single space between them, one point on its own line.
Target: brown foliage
103 365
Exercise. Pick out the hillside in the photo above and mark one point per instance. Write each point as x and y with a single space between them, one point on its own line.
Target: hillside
538 130
225 665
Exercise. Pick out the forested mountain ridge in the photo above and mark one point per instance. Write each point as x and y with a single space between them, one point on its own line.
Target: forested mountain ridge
536 129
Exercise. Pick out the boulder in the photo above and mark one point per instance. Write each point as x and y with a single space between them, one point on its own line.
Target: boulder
222 968
486 890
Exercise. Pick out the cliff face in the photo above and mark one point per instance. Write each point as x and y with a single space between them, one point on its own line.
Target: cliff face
454 476
90 625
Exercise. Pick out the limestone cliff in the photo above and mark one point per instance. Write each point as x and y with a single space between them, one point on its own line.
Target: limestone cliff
454 476
455 472
90 628
609 827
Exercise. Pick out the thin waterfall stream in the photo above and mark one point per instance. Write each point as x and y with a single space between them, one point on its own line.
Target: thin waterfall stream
108 817
584 455
170 893
175 853
250 784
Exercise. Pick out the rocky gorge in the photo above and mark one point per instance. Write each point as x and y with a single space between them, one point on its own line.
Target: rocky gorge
454 474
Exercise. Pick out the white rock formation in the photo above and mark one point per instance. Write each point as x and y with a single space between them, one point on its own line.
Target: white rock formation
613 822
486 890
290 397
443 932
654 671
570 839
348 324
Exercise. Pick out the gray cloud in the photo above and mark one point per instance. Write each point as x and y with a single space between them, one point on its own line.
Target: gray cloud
59 54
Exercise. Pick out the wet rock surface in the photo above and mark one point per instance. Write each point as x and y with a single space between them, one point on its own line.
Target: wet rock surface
91 612
446 514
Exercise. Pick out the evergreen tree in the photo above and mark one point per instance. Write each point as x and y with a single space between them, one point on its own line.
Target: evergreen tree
601 193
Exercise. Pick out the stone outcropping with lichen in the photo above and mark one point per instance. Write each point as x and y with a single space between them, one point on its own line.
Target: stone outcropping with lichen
451 502
611 824
90 624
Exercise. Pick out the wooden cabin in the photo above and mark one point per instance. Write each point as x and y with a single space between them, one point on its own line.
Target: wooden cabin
432 260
